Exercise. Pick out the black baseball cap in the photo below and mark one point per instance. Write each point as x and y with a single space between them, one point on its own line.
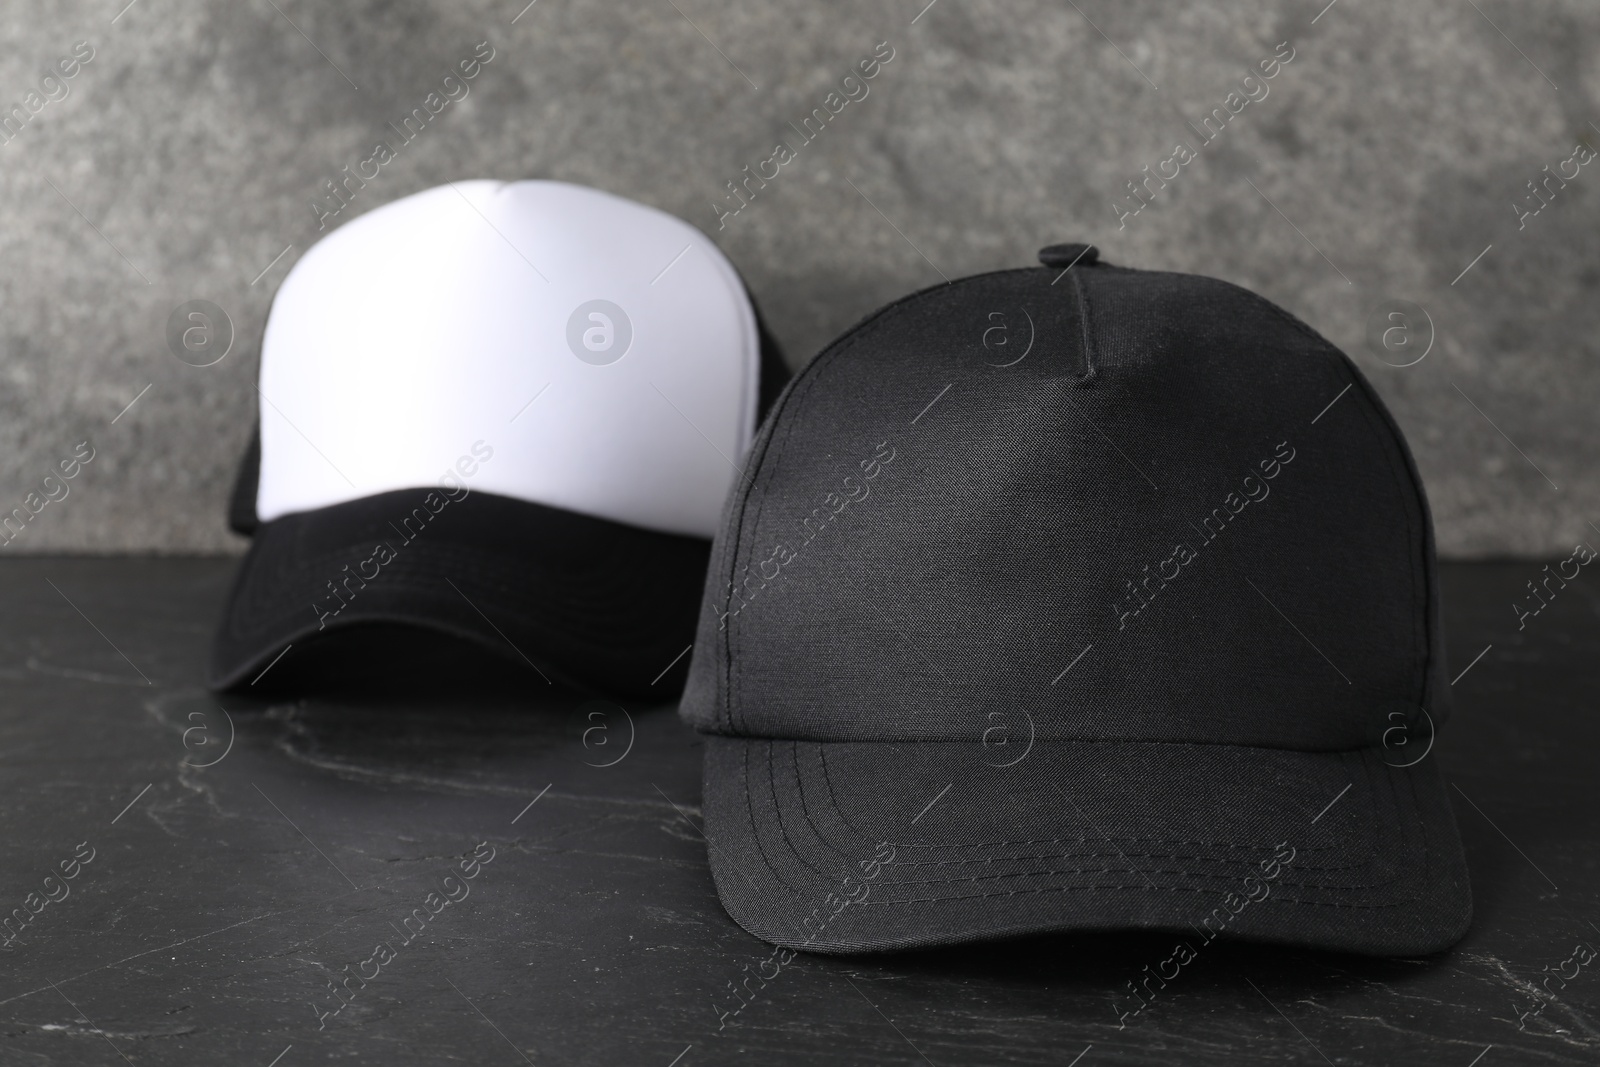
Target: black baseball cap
506 412
1078 598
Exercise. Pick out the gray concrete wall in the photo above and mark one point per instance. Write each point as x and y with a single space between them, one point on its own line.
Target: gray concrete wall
1385 159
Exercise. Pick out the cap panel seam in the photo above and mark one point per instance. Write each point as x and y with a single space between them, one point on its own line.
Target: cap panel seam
1090 363
761 447
796 393
1416 545
795 399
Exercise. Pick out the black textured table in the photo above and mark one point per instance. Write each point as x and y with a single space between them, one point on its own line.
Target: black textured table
186 879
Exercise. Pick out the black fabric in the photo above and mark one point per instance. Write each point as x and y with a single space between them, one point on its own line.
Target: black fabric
592 603
1117 507
1080 836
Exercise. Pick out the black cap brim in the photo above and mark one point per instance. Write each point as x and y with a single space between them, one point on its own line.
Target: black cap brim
848 847
590 603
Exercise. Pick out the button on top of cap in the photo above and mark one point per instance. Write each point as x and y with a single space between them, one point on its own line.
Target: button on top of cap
1068 255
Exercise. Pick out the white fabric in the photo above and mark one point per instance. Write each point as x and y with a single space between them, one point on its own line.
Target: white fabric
423 327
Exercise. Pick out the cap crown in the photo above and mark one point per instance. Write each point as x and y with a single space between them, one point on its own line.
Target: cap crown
1105 504
606 353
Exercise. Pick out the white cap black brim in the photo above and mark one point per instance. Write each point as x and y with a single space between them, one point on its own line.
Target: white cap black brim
453 438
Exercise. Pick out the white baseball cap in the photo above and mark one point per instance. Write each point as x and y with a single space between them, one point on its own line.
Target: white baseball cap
510 411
